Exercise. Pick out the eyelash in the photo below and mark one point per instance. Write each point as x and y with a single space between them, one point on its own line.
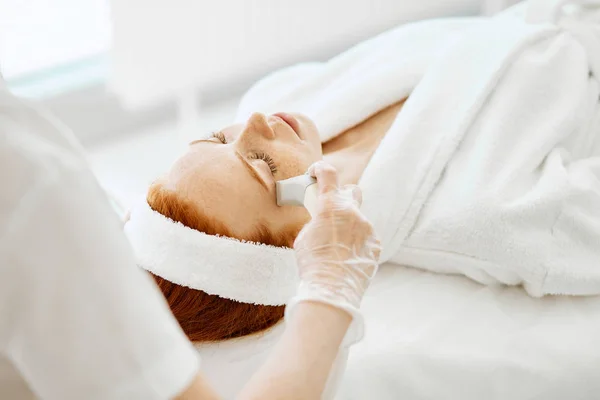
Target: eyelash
266 158
220 136
256 156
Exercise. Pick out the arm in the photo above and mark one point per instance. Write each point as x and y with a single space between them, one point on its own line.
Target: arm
300 364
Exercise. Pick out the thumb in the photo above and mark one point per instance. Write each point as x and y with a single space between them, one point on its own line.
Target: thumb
326 174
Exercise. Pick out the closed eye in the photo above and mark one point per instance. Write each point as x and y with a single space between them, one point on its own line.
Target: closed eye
220 136
267 159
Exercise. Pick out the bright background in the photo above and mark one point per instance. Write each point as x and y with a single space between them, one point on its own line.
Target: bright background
135 78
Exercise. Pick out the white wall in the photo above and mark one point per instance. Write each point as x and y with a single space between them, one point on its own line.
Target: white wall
491 7
162 47
37 35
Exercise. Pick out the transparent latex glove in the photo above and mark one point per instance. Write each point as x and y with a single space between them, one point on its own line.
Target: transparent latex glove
337 251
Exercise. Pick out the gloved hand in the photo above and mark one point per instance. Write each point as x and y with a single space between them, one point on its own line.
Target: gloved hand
337 251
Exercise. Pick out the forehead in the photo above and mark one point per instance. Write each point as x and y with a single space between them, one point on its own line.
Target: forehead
211 176
208 167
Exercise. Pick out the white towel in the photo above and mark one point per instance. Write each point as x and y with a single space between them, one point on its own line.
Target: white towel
492 168
249 272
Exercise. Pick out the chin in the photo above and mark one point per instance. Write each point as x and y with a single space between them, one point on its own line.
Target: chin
308 126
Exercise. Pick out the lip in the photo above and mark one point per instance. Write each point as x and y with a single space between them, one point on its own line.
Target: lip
291 121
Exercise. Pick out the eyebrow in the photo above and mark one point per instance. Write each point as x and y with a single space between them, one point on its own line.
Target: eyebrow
252 170
208 140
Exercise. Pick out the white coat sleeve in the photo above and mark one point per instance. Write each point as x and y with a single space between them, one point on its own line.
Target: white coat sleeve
79 319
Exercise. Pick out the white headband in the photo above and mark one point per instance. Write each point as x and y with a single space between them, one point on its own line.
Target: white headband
243 271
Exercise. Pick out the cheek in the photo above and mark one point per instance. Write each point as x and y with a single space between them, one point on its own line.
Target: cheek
288 219
292 166
316 147
242 208
294 162
311 135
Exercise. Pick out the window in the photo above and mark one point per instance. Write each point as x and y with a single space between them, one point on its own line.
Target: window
60 41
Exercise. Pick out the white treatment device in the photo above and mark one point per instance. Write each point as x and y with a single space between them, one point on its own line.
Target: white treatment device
298 191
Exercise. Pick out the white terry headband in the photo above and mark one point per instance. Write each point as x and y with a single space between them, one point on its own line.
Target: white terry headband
243 271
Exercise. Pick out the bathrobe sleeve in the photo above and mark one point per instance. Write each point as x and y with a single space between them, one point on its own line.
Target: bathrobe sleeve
79 319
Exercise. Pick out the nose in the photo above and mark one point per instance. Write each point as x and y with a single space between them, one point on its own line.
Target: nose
258 125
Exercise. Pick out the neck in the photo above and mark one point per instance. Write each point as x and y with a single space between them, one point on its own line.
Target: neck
351 151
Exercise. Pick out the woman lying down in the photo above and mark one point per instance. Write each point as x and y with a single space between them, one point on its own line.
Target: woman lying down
476 143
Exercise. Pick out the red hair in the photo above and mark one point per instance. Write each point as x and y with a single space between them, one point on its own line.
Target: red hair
205 317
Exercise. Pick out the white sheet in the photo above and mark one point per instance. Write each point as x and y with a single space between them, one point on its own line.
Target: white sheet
432 336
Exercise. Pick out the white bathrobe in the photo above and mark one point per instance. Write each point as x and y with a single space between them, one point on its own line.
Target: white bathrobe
492 168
